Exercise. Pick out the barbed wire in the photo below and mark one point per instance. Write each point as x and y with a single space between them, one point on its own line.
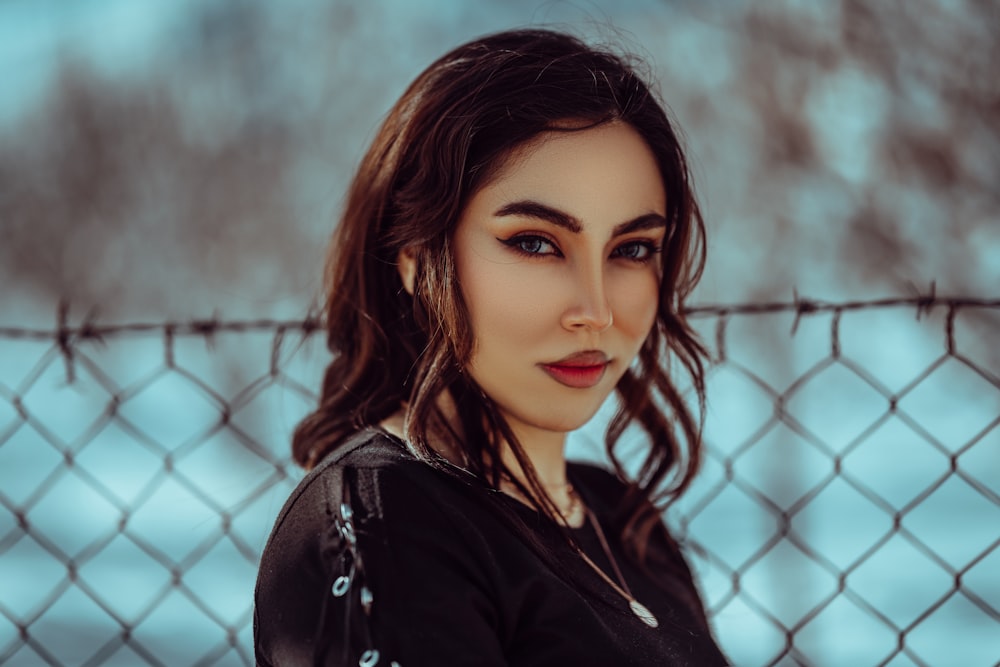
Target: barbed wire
67 335
89 329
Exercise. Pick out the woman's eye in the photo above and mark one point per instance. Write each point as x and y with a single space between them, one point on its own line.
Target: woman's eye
637 251
531 245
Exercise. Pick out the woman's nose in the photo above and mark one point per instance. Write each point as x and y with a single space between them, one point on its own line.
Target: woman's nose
589 308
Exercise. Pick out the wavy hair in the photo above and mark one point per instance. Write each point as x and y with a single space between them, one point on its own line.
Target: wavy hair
452 129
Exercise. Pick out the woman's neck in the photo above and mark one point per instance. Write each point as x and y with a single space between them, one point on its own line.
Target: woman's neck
395 424
544 450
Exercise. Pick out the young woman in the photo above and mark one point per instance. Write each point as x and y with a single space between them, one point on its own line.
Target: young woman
516 246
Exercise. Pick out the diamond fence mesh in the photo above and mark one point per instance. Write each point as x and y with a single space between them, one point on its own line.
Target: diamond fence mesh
848 512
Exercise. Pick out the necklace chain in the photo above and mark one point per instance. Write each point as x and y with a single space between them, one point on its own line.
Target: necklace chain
567 515
574 506
639 609
621 587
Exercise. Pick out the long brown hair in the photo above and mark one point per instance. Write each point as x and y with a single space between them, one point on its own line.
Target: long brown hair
449 132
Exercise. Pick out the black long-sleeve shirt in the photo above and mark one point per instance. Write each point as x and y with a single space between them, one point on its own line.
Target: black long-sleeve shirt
380 559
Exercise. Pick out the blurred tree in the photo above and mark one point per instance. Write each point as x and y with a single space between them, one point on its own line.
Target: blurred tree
846 149
879 141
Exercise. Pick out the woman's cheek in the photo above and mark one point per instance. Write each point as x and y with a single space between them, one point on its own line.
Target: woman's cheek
510 296
636 304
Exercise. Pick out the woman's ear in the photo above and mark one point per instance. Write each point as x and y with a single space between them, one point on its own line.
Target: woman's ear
406 264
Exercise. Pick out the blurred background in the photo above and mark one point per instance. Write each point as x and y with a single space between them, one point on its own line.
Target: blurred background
163 162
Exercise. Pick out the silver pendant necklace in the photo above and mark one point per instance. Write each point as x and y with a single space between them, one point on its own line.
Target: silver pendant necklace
640 610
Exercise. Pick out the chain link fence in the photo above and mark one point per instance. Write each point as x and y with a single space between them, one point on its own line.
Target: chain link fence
848 512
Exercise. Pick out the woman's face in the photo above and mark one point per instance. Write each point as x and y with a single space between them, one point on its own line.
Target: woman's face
558 258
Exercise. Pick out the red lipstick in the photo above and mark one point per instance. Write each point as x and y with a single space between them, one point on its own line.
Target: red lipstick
580 370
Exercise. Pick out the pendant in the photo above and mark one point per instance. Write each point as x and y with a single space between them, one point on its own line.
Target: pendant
644 614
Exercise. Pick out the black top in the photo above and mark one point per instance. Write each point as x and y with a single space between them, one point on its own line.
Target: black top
380 559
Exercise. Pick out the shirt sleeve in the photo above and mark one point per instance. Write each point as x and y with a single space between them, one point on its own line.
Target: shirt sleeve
377 567
424 587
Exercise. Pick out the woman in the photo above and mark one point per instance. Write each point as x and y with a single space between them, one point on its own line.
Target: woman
516 245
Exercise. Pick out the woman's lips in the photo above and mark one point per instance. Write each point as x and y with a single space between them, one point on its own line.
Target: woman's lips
580 370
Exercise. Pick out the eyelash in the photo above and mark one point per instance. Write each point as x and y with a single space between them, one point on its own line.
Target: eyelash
516 242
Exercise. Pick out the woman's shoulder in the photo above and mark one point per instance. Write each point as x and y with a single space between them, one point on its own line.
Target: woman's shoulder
368 449
368 472
369 522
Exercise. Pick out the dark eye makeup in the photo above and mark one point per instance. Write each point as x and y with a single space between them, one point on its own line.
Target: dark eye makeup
535 245
637 251
531 245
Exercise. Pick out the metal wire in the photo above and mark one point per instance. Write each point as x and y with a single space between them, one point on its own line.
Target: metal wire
137 486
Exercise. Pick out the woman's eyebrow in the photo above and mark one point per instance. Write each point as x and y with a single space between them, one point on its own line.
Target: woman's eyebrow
642 223
533 209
